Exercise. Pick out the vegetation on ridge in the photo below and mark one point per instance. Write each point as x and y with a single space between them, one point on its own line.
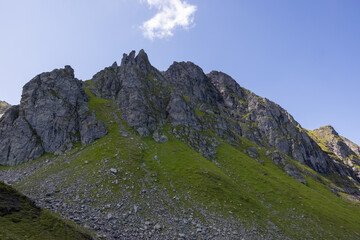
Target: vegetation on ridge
3 107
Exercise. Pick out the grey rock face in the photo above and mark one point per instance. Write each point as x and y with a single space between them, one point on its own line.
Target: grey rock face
190 81
253 153
339 145
139 89
52 114
18 143
192 91
342 148
294 172
159 136
355 148
107 82
267 124
195 103
180 113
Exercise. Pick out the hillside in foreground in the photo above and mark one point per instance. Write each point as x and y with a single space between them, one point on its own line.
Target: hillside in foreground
184 155
21 219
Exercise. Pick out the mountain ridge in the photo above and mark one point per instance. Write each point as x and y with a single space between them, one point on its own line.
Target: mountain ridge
340 147
204 157
200 94
52 114
200 107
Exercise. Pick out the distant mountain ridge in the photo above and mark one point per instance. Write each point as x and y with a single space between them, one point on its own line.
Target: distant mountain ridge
3 107
340 148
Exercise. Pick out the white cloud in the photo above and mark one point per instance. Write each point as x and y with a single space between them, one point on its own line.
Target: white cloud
172 14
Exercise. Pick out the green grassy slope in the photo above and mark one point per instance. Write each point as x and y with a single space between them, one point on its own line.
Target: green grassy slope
20 219
233 187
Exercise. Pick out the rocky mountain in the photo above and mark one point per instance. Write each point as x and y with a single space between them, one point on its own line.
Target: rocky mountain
193 103
338 147
138 153
3 107
53 113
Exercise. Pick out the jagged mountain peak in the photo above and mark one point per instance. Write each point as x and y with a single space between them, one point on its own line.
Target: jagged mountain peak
340 145
114 65
328 129
341 149
128 59
141 60
60 83
53 113
225 83
67 72
185 68
190 81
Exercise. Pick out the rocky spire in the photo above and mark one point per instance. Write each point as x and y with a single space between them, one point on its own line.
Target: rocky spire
52 114
340 146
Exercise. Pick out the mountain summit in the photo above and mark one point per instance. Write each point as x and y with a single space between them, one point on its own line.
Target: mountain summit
136 153
52 114
339 148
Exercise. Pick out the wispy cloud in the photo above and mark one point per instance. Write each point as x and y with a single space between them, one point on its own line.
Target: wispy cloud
172 14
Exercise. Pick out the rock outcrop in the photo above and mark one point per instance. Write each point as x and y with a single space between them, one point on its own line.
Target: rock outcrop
53 113
3 107
199 105
340 149
340 146
267 124
197 108
139 89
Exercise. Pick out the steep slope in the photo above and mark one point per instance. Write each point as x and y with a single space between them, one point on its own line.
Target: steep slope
21 219
269 124
202 107
53 114
128 187
3 107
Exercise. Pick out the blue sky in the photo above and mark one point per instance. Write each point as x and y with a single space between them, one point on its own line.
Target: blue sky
304 55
